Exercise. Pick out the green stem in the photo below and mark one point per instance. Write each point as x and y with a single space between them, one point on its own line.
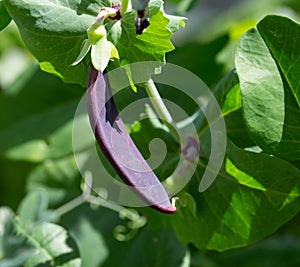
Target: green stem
157 102
161 108
74 203
87 197
124 6
106 204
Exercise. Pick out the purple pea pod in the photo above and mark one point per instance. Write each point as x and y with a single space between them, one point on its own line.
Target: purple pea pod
118 147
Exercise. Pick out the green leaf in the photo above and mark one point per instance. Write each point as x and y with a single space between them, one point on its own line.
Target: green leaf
85 48
283 46
53 246
13 250
87 237
6 218
233 100
54 31
175 22
152 44
289 147
4 16
154 247
257 107
248 201
276 251
60 179
92 230
227 93
261 88
282 37
32 208
237 130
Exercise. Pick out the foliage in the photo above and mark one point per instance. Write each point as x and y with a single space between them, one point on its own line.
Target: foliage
251 207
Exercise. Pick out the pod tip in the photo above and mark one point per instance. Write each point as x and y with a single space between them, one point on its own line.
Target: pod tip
166 209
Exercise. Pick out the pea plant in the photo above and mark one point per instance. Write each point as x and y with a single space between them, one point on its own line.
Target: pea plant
82 184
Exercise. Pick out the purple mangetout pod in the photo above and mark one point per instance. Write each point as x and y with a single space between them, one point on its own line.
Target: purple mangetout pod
118 147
